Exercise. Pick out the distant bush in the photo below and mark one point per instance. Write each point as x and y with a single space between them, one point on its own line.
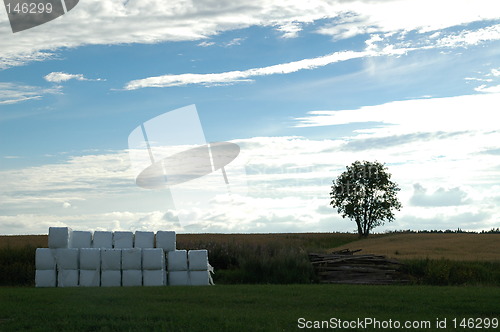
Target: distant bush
262 263
446 272
17 266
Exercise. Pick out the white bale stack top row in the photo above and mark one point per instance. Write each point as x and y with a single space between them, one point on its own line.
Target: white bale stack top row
80 258
64 237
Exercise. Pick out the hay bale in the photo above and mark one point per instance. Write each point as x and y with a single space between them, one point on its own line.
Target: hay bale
59 237
81 239
102 239
123 240
177 260
132 259
144 239
166 240
153 259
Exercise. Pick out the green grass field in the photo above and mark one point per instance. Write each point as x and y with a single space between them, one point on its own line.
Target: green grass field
235 307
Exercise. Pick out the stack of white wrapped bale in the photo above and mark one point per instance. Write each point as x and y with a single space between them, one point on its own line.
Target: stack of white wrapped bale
90 267
45 262
80 258
153 267
111 267
132 267
199 268
177 268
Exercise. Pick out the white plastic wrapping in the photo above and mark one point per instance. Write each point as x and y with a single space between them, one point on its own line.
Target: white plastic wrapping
153 259
166 240
153 277
102 239
111 259
144 239
198 260
59 237
81 239
46 278
131 278
178 278
132 259
90 259
90 278
123 240
111 278
67 278
67 259
45 259
199 278
177 260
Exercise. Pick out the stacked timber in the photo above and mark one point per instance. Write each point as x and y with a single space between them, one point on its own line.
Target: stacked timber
343 267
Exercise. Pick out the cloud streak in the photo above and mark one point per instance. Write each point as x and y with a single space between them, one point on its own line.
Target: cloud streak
59 77
12 93
245 75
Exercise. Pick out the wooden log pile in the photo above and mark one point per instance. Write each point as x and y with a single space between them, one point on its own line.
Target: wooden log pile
343 267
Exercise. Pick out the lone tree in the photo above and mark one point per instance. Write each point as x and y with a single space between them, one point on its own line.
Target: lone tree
365 193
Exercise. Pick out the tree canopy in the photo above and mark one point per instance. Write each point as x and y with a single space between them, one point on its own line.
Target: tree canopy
365 193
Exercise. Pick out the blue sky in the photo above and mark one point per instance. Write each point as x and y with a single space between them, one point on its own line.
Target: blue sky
303 88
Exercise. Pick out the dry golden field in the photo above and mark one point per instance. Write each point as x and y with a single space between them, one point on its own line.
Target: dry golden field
19 241
299 239
460 247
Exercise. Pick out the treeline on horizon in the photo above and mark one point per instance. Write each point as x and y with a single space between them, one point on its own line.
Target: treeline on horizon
457 231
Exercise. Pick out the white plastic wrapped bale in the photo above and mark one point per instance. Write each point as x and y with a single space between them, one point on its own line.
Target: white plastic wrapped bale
111 259
81 239
198 260
199 278
144 239
132 259
165 240
132 278
67 278
177 260
178 278
153 259
67 259
153 277
102 239
90 259
59 237
90 278
111 278
123 239
45 259
46 278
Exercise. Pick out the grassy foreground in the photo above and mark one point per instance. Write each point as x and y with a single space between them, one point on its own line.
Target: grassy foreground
235 307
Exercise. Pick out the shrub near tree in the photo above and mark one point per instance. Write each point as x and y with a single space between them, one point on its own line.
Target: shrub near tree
365 194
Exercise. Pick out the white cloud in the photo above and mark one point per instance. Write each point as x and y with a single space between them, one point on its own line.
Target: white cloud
288 181
376 46
467 38
440 197
206 44
12 93
242 76
58 77
490 89
450 114
290 30
96 22
407 15
234 42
